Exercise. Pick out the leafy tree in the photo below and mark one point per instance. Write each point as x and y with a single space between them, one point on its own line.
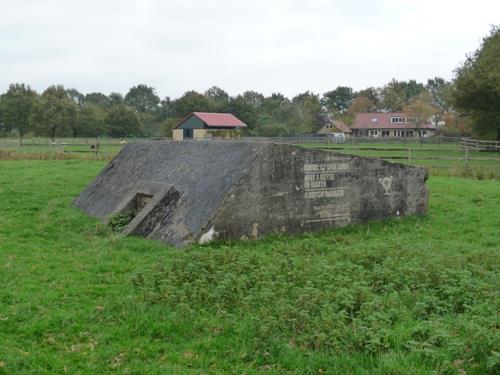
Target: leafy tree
245 109
295 121
373 95
276 106
90 121
99 99
456 125
477 86
311 111
192 101
393 97
168 125
421 108
440 91
150 124
397 94
254 97
412 89
219 97
76 96
3 125
273 129
16 108
55 113
123 121
361 104
166 109
143 99
116 98
268 127
339 100
248 107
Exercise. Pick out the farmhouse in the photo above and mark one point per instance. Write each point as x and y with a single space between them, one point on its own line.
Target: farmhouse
204 125
394 124
334 127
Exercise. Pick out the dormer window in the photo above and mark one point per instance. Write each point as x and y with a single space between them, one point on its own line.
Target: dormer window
400 120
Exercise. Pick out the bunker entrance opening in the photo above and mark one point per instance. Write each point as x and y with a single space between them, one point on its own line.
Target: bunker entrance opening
140 201
122 219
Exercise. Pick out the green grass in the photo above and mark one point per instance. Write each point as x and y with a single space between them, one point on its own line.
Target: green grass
70 149
413 296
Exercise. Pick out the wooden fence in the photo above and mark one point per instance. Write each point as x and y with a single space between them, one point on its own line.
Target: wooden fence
475 144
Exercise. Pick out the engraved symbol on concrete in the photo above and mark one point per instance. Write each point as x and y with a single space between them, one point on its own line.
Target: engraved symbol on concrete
386 183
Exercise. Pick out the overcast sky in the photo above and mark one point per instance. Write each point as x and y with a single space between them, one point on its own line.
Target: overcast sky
288 46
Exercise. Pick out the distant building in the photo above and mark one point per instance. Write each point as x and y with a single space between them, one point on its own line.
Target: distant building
393 124
334 127
204 125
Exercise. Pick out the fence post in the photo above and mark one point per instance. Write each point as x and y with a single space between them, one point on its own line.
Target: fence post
466 159
409 153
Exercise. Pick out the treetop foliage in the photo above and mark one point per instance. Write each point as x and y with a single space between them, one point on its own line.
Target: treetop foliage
477 86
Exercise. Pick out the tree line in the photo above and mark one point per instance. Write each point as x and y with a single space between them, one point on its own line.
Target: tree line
61 112
470 102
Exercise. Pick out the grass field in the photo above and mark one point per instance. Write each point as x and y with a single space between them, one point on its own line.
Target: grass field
414 296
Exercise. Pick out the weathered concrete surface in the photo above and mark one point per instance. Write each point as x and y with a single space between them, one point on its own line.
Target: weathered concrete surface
197 191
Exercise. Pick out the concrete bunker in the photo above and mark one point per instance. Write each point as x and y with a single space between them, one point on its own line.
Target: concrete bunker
194 192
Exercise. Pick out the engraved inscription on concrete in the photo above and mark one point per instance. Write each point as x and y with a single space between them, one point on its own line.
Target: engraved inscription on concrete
318 180
201 191
331 212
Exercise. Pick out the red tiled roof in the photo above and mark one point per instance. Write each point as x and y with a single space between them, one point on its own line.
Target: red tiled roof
216 119
383 121
341 125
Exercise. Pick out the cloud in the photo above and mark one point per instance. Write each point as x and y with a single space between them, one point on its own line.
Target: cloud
285 45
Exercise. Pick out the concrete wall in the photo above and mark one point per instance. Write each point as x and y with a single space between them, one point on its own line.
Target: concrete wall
177 135
293 190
